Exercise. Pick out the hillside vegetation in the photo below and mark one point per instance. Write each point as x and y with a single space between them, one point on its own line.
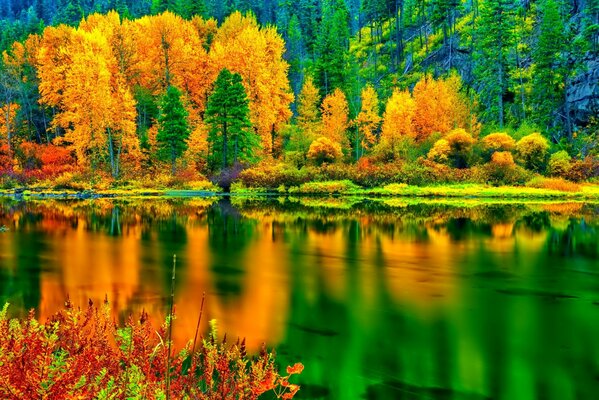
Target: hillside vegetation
100 93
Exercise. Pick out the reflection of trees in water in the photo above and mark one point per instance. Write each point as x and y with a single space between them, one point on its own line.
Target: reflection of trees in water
229 235
535 221
578 239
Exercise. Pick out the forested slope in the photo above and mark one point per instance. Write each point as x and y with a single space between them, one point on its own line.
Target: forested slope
514 66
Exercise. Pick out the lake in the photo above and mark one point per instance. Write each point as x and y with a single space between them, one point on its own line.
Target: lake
379 298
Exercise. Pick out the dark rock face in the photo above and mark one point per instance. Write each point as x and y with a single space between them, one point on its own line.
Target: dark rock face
583 92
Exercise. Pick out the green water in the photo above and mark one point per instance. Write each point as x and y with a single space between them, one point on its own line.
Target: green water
380 299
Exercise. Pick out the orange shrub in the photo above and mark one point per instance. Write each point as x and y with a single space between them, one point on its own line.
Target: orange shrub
81 354
502 170
56 160
29 155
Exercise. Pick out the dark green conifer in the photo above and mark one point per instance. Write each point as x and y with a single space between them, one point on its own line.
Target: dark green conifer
173 128
230 136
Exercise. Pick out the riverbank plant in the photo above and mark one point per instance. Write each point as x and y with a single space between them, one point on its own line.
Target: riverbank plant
81 353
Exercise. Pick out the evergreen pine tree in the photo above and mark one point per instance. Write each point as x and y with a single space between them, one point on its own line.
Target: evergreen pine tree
173 129
190 8
230 137
160 6
548 77
333 47
494 37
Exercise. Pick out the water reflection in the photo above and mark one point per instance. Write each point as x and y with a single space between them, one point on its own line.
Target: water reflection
379 298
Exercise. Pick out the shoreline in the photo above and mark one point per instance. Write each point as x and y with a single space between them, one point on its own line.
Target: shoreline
588 192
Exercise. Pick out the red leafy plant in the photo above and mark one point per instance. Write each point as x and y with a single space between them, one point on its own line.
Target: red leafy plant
82 354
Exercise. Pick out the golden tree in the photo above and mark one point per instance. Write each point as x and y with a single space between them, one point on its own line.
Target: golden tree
255 53
335 118
368 120
398 122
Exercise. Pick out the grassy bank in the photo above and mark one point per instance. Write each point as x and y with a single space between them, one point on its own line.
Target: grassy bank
347 188
541 190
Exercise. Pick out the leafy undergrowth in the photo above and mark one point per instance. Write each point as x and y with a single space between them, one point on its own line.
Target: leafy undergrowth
81 354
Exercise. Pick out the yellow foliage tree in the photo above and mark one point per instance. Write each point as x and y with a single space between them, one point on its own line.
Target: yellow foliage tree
308 116
335 118
367 121
433 107
170 51
256 53
398 122
441 107
95 107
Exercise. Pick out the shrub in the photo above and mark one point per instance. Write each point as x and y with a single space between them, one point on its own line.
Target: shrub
271 176
419 173
460 143
498 141
503 159
81 354
227 176
71 181
28 155
532 151
369 174
323 150
559 164
582 170
502 170
455 149
553 184
440 152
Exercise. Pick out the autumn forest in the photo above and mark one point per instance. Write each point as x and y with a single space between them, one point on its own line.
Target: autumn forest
414 92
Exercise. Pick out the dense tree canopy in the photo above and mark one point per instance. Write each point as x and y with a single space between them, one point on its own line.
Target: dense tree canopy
384 81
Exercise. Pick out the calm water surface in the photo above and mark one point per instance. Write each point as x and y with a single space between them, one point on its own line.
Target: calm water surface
380 299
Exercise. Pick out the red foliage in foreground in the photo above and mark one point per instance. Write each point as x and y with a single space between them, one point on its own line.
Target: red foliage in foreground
81 354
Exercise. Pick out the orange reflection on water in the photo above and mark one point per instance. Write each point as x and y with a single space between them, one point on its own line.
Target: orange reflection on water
91 266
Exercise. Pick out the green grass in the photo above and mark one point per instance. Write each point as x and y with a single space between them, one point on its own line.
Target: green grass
344 188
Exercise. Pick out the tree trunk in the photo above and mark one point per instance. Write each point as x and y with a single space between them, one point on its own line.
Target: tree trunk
8 128
225 144
111 153
173 160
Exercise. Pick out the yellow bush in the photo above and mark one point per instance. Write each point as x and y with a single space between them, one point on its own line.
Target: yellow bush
498 141
460 145
559 164
324 150
532 151
440 152
503 159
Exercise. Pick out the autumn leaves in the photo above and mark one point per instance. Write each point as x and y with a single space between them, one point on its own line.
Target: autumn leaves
89 77
434 106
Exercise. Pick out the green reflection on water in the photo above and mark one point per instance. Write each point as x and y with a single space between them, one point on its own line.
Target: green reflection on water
379 299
